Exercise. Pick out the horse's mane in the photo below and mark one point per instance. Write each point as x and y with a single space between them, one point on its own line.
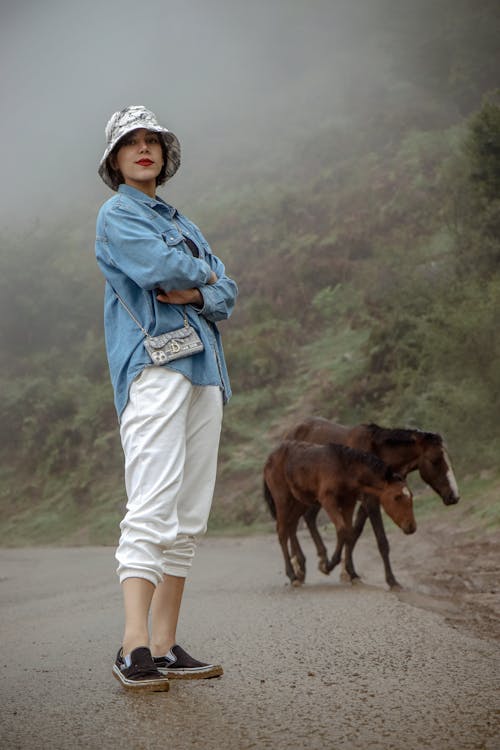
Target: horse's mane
352 456
400 436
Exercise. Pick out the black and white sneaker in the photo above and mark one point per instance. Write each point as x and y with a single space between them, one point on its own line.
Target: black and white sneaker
177 664
139 671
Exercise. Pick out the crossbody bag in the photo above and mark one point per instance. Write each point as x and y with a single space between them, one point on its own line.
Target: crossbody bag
183 342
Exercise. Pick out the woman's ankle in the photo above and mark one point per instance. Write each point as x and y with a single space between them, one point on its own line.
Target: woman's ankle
129 646
160 647
134 639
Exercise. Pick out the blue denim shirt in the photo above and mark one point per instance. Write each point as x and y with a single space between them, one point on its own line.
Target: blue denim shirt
140 247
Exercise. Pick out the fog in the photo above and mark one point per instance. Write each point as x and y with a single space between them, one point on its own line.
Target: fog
235 80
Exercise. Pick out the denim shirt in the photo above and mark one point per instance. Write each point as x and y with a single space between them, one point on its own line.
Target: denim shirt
140 248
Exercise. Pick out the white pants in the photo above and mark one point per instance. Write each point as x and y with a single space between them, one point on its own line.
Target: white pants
170 433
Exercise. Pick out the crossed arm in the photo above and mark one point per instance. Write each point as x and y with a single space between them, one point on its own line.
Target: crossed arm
134 245
185 296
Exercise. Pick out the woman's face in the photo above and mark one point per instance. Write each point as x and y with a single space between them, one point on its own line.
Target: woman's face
139 159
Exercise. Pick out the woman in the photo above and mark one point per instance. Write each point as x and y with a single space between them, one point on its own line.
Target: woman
160 276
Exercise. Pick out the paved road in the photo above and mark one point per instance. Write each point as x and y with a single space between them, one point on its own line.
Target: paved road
329 666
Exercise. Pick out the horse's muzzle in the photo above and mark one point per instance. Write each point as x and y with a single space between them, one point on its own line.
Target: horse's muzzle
451 499
409 527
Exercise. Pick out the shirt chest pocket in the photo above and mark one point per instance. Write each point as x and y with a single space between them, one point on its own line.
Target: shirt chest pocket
174 239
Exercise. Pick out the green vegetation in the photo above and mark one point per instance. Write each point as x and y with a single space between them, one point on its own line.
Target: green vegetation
369 282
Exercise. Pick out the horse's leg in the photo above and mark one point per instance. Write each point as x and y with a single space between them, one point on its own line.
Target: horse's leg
334 513
310 517
288 512
359 524
282 532
298 559
283 503
375 516
347 512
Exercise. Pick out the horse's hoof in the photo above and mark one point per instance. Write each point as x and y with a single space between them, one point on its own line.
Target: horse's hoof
395 586
297 569
323 567
344 576
296 583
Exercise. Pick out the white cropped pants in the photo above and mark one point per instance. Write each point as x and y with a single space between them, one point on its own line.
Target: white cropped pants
170 432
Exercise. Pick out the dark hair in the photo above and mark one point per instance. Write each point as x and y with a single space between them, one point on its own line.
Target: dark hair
117 177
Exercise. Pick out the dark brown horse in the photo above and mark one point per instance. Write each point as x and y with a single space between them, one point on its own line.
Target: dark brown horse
299 474
401 449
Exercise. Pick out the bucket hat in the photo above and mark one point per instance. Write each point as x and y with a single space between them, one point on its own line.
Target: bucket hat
131 118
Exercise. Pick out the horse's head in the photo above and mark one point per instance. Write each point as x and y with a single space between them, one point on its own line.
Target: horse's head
435 469
397 501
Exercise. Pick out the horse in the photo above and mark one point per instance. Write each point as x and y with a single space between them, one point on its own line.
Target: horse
299 474
404 450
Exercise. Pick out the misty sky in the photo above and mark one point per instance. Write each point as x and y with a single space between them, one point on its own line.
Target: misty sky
228 77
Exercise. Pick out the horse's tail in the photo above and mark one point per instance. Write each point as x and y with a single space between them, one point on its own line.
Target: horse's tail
269 499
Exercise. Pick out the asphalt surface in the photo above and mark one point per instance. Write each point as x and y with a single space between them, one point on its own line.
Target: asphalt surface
328 665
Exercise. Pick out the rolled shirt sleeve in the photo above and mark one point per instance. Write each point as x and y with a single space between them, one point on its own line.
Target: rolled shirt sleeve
218 298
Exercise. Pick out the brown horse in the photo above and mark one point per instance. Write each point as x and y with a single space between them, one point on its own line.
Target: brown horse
403 450
299 474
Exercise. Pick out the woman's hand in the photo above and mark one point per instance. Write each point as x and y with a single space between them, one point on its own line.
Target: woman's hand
184 296
181 297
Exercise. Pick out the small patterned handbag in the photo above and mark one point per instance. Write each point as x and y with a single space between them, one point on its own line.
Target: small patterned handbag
183 342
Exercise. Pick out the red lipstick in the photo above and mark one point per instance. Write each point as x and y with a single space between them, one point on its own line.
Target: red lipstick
144 162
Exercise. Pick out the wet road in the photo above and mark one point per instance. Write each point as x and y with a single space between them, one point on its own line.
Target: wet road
329 666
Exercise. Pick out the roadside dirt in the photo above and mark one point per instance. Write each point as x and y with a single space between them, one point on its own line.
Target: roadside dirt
460 570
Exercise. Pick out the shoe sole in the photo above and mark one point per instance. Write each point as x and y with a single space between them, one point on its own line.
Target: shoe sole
192 674
144 686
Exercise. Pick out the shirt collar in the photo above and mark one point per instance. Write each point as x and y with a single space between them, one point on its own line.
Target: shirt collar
138 195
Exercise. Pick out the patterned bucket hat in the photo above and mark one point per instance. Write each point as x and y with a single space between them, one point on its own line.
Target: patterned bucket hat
131 118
